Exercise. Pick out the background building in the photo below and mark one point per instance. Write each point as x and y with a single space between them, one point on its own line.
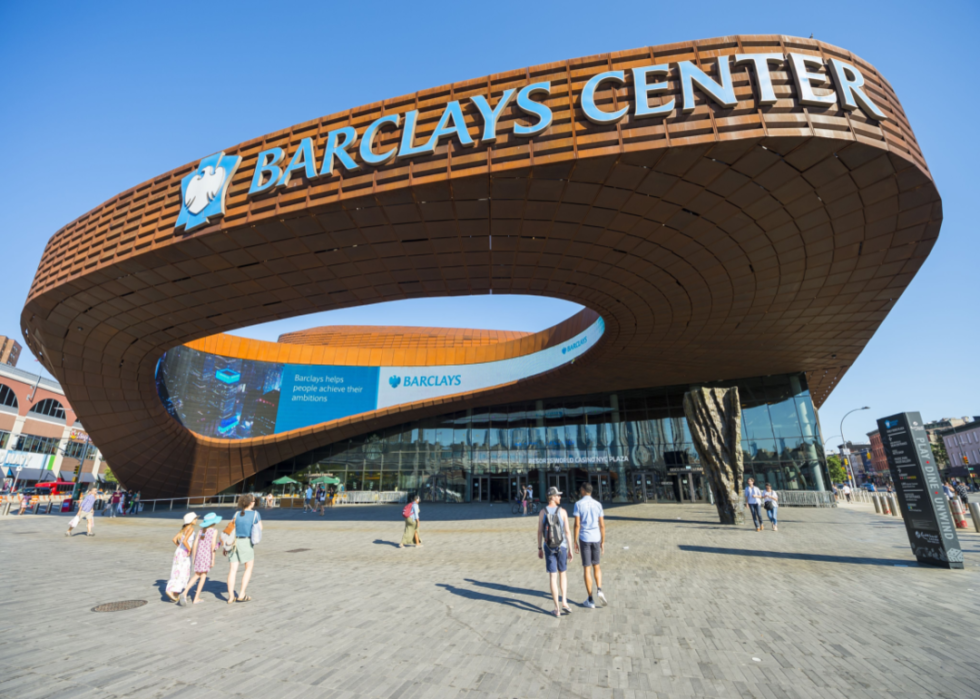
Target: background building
40 433
9 351
859 459
963 448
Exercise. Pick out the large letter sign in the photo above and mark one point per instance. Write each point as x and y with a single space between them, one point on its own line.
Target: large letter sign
920 491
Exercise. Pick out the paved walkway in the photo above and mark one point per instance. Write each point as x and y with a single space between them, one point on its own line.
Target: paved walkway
831 606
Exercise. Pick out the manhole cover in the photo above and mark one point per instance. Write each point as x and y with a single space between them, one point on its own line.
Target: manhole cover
119 606
297 550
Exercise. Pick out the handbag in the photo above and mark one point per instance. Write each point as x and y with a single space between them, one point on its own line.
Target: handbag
74 522
767 504
228 540
256 534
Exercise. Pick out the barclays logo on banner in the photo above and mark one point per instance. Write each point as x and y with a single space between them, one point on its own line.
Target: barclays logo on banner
427 381
889 424
202 193
574 345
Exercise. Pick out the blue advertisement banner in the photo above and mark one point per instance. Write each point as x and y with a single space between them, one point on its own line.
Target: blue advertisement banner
313 394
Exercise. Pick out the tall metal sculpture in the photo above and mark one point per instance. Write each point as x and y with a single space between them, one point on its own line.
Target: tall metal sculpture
714 416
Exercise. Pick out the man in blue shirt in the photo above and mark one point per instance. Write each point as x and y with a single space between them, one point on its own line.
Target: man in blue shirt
590 539
86 511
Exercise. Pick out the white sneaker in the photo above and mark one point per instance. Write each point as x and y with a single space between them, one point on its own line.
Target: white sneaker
602 598
589 604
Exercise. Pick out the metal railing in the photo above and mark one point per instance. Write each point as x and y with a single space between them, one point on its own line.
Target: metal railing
806 498
350 497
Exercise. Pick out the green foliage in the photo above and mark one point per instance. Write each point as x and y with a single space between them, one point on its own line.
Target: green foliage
939 452
110 477
837 472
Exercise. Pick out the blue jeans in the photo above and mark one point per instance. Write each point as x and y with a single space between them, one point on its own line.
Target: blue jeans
772 515
756 515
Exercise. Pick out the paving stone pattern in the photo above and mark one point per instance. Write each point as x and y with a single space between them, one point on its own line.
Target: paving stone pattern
833 605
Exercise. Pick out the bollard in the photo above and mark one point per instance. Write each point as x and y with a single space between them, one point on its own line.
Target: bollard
959 516
895 508
874 499
885 505
975 514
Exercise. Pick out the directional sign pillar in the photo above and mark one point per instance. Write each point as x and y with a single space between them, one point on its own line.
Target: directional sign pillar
919 487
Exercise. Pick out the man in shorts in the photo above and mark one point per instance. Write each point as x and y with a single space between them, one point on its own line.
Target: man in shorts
86 511
590 539
553 536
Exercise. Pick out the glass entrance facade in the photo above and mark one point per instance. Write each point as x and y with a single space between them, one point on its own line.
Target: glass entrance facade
613 440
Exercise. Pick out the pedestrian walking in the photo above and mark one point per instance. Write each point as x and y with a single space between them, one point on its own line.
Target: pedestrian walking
411 513
307 496
553 537
207 542
136 503
523 500
752 499
847 492
24 500
86 511
770 501
590 540
180 571
962 491
246 521
321 499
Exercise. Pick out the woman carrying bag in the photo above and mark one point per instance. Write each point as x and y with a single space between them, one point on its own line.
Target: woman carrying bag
770 501
247 533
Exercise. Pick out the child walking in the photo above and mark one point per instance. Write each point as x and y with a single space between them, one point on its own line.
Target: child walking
207 542
180 572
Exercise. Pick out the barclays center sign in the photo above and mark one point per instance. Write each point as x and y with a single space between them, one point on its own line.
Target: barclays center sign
203 192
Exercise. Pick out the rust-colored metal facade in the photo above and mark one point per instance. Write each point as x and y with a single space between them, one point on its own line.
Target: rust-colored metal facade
718 244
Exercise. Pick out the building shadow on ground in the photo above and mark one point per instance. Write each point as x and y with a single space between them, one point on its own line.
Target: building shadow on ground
496 599
789 556
613 518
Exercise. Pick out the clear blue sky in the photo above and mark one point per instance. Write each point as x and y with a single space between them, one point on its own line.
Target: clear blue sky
98 97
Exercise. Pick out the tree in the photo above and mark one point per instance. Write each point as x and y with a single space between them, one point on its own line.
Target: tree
109 475
837 472
939 452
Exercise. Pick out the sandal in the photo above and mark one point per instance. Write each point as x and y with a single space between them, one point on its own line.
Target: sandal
231 600
172 598
246 598
566 609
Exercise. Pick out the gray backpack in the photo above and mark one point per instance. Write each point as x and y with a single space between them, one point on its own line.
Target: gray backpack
554 529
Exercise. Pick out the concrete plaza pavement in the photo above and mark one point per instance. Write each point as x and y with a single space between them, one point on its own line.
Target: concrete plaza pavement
832 605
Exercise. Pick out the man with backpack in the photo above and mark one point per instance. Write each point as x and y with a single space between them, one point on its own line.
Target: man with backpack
590 539
554 534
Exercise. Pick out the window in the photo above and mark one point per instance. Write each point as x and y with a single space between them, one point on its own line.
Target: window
7 397
76 450
4 438
49 407
37 445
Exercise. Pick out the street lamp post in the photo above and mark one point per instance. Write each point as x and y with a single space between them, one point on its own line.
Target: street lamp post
850 471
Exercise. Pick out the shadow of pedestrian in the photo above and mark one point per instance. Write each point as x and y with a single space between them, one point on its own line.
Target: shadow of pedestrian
512 590
382 542
483 597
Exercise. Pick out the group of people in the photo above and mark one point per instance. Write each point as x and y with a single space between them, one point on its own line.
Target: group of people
554 547
319 499
197 544
758 500
954 488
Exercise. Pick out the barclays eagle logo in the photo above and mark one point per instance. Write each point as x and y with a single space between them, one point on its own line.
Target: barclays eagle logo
202 193
394 381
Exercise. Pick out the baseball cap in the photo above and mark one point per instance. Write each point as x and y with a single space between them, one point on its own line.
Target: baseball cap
553 491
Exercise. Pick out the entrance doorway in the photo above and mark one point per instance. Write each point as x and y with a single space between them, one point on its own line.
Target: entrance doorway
556 480
481 489
643 487
602 487
690 487
499 488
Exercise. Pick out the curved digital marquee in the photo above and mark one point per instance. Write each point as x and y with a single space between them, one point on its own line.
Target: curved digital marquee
229 398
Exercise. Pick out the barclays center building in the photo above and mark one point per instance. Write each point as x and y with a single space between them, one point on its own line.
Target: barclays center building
740 211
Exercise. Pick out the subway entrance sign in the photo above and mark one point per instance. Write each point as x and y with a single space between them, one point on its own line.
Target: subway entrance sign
919 487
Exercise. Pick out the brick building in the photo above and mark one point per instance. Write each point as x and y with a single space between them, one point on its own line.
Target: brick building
40 433
9 351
